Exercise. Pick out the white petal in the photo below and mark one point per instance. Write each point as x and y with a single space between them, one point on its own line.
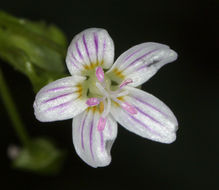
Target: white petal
142 61
91 47
91 145
154 120
59 100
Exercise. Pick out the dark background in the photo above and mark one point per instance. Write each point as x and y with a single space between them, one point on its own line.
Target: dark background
189 86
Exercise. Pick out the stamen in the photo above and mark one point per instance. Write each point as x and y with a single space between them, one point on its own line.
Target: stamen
101 124
118 94
92 101
125 82
129 108
100 74
102 89
126 106
106 95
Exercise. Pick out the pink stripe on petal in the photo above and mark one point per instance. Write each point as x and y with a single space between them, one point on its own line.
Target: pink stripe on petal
147 115
57 88
82 132
142 67
78 50
145 126
151 106
148 65
60 106
139 58
72 55
96 44
104 48
101 124
86 48
74 64
57 97
138 50
101 141
73 61
91 139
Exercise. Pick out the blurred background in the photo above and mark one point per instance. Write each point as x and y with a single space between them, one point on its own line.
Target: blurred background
189 86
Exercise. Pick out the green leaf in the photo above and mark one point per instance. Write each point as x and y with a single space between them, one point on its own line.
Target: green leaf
33 48
40 157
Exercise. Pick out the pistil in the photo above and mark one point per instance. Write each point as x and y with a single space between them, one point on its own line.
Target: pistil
107 95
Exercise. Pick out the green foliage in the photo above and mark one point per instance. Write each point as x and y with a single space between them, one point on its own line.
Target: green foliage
38 51
41 157
33 48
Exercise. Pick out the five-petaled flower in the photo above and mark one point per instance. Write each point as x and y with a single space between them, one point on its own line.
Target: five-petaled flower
99 94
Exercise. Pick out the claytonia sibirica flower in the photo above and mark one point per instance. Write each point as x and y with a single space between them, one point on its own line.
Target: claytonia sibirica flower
99 94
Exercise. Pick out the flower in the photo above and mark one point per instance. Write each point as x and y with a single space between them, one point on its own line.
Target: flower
99 94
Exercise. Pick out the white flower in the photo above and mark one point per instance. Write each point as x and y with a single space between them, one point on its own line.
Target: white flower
99 94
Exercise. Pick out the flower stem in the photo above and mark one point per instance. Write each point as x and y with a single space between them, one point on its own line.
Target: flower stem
12 111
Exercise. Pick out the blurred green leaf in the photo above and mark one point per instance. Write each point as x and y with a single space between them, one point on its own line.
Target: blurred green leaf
33 48
41 157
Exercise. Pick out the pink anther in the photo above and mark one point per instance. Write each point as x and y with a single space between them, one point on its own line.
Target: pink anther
125 82
92 101
100 74
129 108
101 124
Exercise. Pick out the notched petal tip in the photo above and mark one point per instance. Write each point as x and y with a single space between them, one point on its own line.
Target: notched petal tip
154 120
170 55
142 61
169 135
91 144
173 54
171 139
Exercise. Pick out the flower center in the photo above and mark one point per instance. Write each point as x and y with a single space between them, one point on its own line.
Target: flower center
105 95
